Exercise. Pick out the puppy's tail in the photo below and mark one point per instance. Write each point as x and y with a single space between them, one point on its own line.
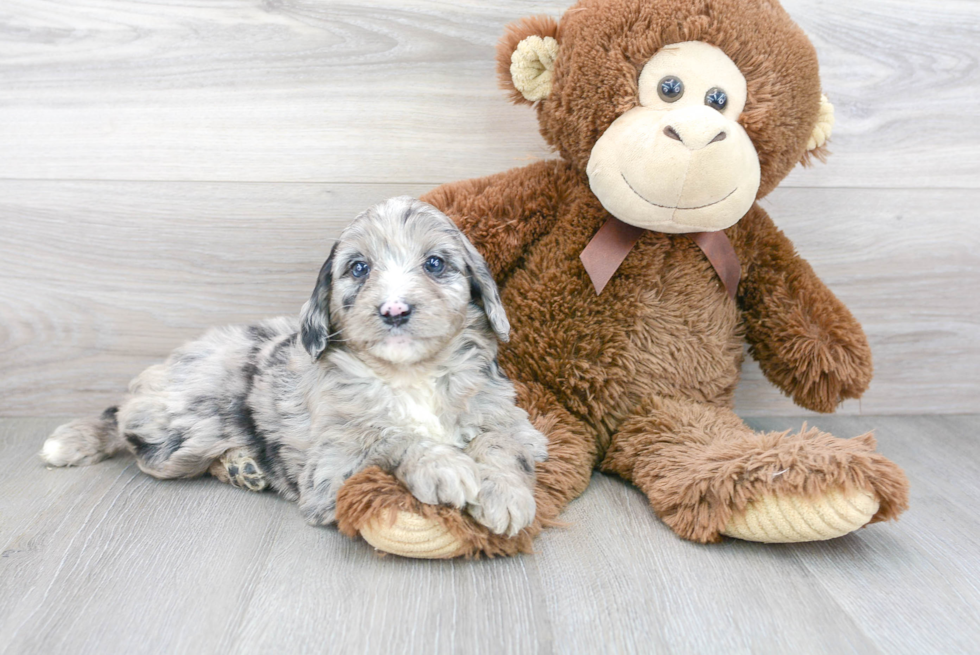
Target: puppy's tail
84 441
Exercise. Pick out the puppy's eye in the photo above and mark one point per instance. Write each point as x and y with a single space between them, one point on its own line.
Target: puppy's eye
359 268
670 89
716 98
434 265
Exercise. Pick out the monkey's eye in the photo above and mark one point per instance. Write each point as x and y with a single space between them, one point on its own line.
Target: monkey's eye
716 98
434 265
670 89
359 268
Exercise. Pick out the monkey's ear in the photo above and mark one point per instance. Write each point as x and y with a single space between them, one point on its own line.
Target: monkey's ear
526 58
815 147
314 321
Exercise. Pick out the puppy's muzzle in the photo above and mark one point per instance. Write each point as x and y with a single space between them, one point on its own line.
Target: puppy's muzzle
395 312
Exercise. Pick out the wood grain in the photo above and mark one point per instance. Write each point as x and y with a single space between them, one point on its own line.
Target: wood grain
651 592
103 274
906 263
105 560
115 275
100 279
899 74
931 552
395 92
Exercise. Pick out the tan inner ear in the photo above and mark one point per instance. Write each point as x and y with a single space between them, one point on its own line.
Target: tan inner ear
824 126
531 66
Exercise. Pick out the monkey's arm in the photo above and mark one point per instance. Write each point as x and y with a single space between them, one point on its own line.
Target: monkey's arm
806 341
504 213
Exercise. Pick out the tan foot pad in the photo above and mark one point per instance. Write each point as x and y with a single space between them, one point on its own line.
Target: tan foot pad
237 468
790 519
412 536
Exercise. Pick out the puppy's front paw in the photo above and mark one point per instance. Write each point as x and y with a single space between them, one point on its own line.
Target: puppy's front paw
319 506
442 475
505 504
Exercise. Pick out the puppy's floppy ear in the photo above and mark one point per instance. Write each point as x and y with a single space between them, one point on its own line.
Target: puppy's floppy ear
314 320
484 290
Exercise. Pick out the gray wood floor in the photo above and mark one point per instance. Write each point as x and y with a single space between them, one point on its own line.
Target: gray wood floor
106 560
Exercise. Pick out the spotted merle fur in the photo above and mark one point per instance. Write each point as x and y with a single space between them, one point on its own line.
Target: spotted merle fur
301 405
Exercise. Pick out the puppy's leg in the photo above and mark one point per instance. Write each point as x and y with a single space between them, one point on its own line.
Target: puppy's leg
505 503
167 443
176 429
435 473
326 470
374 505
84 441
237 468
439 474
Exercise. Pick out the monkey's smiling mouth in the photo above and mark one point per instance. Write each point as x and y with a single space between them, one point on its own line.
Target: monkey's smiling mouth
674 207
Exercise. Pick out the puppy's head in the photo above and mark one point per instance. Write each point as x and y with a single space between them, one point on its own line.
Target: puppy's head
399 284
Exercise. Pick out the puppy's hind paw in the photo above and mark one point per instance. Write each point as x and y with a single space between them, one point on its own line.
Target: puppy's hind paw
237 468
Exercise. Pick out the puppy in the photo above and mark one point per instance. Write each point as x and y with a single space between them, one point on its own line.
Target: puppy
392 363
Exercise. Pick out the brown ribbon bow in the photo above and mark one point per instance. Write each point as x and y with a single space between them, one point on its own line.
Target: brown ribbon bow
614 240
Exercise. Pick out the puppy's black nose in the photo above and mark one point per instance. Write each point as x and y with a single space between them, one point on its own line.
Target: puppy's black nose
395 312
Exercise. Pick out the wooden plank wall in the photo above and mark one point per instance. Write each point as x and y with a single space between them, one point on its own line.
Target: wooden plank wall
165 167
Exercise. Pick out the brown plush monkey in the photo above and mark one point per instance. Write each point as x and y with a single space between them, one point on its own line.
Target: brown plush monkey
632 269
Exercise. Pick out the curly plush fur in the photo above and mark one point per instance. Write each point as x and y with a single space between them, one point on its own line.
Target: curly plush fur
302 406
639 381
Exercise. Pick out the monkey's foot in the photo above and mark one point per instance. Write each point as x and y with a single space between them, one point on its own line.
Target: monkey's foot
237 468
412 535
375 505
790 518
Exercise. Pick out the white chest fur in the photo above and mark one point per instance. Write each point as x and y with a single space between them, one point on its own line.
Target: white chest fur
410 399
418 406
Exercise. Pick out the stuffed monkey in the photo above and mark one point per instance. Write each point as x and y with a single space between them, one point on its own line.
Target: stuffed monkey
635 265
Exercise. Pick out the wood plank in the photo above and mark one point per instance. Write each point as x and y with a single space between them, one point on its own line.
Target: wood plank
359 602
113 276
914 586
106 560
388 91
875 60
102 279
283 91
645 590
906 263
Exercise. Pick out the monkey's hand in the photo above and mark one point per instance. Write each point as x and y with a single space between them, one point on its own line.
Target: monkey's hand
806 341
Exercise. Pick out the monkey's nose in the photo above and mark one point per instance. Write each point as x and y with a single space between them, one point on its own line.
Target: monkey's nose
694 143
395 312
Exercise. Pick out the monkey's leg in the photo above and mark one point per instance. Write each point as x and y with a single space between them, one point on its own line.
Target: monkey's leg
378 507
707 474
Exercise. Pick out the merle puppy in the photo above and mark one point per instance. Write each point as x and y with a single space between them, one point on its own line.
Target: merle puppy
392 363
